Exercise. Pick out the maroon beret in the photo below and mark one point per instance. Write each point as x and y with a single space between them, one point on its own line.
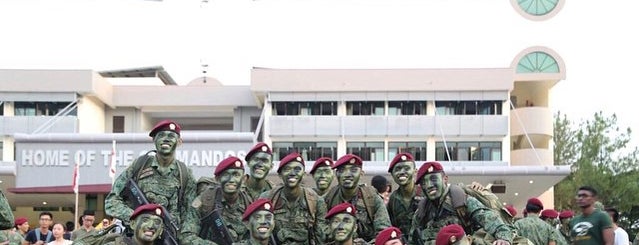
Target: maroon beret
536 202
511 210
257 205
147 208
322 162
566 214
348 159
390 233
549 213
228 163
259 147
344 207
401 157
293 157
449 234
165 125
20 220
428 168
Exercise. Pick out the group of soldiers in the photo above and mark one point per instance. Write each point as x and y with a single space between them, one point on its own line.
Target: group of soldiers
160 200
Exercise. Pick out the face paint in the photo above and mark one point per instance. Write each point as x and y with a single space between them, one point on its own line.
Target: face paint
261 224
166 142
148 227
348 176
403 173
231 180
260 164
433 185
343 226
323 177
292 174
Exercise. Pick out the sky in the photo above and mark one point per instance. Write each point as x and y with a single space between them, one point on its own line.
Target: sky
595 39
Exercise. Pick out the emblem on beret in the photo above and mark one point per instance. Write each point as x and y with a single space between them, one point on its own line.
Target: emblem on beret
172 126
264 148
393 234
299 159
352 160
453 239
327 163
404 158
267 206
430 169
158 211
349 209
238 164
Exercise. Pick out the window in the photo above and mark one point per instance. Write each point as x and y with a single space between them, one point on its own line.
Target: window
365 108
468 151
490 107
417 149
406 108
304 108
92 201
118 124
41 108
468 107
368 151
310 151
445 107
1 150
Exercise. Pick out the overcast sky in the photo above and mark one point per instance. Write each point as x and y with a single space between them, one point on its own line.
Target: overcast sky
597 40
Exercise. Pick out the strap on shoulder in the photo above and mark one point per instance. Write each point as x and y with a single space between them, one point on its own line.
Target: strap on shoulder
311 202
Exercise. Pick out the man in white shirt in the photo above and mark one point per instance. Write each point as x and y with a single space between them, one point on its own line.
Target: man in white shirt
621 236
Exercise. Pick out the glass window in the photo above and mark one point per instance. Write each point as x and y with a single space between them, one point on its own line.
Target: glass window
365 108
41 108
368 151
445 107
310 151
490 107
304 108
468 151
417 149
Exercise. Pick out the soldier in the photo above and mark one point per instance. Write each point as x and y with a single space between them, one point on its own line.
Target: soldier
299 211
7 234
372 216
164 180
323 175
259 219
453 235
402 203
564 220
389 236
512 212
533 228
147 225
593 226
448 204
228 198
260 162
343 225
550 216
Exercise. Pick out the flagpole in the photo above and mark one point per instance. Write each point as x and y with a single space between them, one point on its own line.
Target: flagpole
76 211
112 164
76 189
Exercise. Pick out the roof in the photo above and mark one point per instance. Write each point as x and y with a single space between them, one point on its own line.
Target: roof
153 71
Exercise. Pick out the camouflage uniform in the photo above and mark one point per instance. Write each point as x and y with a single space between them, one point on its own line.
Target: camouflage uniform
160 185
252 192
429 220
294 221
400 212
6 215
535 229
367 228
13 237
231 213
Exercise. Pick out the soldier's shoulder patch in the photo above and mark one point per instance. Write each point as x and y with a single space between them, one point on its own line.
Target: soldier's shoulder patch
146 172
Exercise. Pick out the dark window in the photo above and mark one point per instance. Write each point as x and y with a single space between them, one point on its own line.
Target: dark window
304 108
310 151
118 124
368 151
417 149
41 108
468 151
365 108
490 108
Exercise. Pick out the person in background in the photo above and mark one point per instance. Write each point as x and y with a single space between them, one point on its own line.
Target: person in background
41 235
564 220
58 235
534 228
389 236
382 186
22 226
87 218
69 229
593 226
452 235
621 236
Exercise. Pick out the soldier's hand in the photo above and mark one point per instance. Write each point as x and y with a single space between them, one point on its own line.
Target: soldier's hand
477 186
501 242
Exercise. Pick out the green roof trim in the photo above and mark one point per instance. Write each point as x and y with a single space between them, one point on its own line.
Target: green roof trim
537 7
537 62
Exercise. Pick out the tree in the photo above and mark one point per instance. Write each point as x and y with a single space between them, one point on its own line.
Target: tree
599 154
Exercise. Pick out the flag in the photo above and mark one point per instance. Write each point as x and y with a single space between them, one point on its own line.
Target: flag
112 164
76 178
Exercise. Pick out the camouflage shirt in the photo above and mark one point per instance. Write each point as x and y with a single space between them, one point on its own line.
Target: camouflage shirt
401 212
161 186
535 229
294 221
368 225
252 192
6 215
231 213
13 237
431 217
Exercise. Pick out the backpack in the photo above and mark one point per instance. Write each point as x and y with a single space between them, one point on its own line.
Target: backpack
97 238
458 194
311 203
37 234
368 195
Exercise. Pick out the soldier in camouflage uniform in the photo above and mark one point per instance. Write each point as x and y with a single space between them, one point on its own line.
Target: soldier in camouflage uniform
260 161
147 226
299 211
533 228
436 210
7 235
372 216
165 181
453 234
343 225
402 203
323 175
564 220
260 221
228 197
390 236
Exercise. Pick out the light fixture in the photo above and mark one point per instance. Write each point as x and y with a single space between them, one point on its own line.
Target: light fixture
44 203
516 194
531 181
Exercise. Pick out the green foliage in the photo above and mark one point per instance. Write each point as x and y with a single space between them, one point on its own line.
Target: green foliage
600 156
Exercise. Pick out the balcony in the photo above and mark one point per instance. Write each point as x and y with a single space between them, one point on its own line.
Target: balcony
531 120
28 124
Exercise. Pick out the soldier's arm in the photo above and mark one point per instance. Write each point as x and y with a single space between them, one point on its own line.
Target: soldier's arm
382 221
114 204
489 219
189 217
414 231
322 229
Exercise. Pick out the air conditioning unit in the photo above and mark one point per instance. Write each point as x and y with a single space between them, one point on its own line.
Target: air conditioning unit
498 188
